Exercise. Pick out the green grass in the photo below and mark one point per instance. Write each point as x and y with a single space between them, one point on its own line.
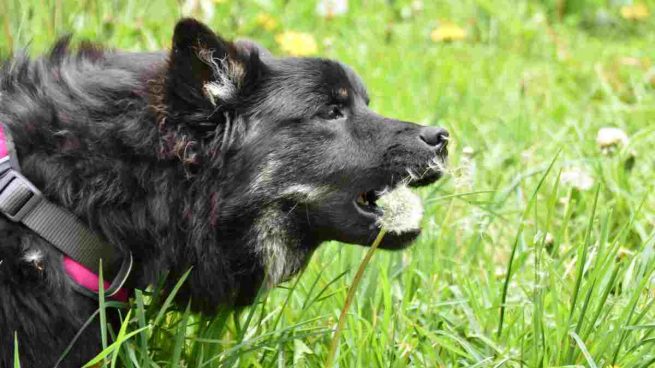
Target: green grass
515 267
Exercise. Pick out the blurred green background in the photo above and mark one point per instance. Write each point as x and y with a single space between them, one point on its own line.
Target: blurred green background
538 249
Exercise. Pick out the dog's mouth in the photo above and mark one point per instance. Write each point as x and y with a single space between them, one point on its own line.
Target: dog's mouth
367 203
382 199
396 207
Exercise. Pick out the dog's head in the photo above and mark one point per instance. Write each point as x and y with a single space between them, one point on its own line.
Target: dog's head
302 157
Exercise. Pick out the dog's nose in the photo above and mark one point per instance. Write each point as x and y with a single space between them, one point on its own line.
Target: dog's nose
435 137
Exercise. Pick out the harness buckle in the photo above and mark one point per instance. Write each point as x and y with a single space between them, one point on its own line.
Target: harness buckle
5 164
18 196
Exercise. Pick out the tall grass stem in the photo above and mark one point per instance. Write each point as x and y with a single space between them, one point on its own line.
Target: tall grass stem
329 362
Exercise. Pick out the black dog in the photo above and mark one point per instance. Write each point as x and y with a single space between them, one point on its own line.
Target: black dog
216 156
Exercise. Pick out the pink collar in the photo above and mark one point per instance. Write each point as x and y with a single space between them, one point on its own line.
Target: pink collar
76 271
89 280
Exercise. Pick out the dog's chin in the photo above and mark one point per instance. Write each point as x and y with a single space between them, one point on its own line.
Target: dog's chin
392 241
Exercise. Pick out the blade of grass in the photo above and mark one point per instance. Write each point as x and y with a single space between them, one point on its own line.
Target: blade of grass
261 292
262 337
179 339
86 324
171 297
110 349
121 335
632 308
101 308
583 348
306 304
349 298
16 354
581 260
6 26
516 243
141 320
582 256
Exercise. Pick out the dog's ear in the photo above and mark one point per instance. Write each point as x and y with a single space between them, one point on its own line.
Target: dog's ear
205 71
247 45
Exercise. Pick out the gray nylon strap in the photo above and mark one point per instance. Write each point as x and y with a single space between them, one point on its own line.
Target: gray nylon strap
68 234
22 202
13 197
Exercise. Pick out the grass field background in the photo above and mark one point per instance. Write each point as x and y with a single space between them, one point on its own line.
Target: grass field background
538 248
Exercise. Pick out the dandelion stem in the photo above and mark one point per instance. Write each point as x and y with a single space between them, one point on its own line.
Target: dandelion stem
350 296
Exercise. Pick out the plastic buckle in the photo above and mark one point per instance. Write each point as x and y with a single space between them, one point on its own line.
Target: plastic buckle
5 164
10 178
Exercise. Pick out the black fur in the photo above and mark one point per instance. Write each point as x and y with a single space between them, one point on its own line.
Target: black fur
152 158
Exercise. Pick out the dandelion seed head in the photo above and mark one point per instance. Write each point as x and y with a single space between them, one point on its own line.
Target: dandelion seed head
403 210
465 174
577 178
331 8
609 139
33 256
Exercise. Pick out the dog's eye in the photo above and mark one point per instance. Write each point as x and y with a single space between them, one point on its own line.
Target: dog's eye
331 113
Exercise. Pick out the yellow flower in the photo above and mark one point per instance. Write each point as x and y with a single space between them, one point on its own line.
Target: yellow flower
266 21
635 11
297 43
448 31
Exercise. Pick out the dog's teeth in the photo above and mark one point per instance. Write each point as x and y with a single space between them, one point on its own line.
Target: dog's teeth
361 199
